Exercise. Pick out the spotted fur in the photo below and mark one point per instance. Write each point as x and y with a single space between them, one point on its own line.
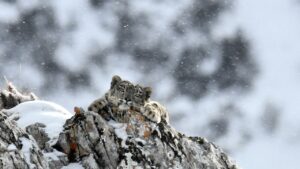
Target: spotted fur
116 95
156 112
153 110
138 97
123 95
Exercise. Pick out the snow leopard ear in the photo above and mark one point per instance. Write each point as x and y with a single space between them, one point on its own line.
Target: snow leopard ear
148 91
115 79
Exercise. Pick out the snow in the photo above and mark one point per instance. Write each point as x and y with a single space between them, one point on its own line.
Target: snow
120 129
48 113
73 166
51 156
25 73
85 37
8 13
273 27
11 147
27 145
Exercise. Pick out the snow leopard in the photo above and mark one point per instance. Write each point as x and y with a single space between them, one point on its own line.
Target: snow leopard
123 95
116 95
156 112
139 96
153 110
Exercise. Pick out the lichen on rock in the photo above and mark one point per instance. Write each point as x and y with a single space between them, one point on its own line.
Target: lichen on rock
117 136
134 141
138 143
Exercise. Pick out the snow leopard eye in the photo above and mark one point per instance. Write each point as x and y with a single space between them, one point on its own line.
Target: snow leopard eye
121 88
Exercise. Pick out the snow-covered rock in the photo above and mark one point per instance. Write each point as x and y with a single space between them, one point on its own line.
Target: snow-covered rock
52 115
25 130
87 140
135 143
17 148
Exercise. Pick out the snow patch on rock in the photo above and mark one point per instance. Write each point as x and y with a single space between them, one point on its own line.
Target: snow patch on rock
48 113
73 166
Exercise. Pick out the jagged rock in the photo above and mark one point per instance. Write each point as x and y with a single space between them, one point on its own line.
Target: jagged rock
136 143
56 159
22 149
38 133
18 149
117 132
96 142
11 97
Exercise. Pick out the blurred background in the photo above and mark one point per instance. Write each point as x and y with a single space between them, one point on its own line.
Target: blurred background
228 70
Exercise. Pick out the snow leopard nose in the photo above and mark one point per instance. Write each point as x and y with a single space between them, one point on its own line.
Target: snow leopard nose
129 93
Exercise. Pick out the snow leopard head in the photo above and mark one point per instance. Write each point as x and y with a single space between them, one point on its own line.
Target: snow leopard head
119 88
126 91
141 94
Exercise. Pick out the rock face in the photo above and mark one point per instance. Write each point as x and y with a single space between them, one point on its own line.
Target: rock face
119 135
24 148
137 143
11 97
17 148
96 141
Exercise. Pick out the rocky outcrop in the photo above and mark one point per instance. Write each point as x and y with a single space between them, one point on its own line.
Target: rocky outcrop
18 149
136 143
38 133
24 149
98 142
11 97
